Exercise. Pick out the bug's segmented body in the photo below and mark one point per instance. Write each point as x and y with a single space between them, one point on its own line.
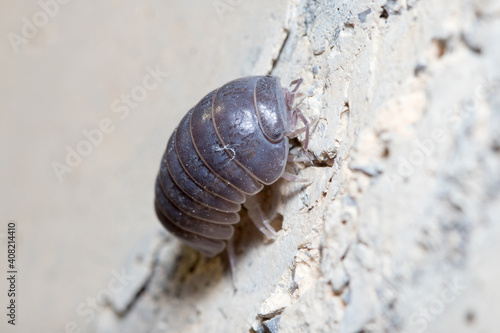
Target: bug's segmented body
234 141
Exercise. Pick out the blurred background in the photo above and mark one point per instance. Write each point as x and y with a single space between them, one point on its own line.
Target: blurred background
90 93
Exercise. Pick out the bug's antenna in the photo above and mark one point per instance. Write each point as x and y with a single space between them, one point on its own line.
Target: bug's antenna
297 83
232 263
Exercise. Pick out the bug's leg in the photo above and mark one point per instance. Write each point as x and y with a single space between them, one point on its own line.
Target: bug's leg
306 127
295 133
259 218
289 98
232 262
297 114
293 122
296 159
290 95
297 83
293 178
298 95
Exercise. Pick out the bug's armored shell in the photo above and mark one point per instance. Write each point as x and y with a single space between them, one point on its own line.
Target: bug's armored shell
225 148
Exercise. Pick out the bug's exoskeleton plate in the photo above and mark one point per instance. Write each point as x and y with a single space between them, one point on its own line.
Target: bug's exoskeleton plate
225 148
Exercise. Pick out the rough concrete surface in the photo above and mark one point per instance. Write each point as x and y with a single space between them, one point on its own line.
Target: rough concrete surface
398 231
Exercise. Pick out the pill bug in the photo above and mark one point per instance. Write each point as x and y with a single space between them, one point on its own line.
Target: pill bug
230 144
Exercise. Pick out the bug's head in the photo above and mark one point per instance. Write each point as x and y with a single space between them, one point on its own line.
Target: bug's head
271 108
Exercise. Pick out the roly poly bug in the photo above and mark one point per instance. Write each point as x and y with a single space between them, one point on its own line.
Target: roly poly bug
230 144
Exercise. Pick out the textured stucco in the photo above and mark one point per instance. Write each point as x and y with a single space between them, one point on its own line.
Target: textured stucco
398 230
